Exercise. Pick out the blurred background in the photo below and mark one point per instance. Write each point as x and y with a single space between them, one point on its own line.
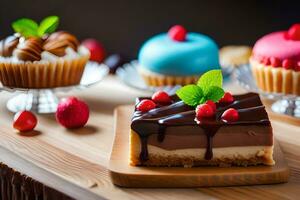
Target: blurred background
122 26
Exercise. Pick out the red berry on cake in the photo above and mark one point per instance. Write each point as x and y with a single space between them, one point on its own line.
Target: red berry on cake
72 113
177 33
297 68
24 121
266 61
212 104
204 110
275 62
294 32
230 115
145 105
96 50
287 64
227 98
161 97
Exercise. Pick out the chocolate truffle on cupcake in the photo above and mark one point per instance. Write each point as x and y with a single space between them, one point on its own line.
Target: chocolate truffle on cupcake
275 61
177 57
38 57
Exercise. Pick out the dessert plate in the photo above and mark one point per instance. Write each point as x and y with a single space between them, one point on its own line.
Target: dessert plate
129 75
284 104
124 175
44 100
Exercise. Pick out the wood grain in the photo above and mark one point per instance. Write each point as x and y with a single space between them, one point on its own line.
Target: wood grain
75 162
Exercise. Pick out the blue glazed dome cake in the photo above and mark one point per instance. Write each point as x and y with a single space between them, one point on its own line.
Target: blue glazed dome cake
177 57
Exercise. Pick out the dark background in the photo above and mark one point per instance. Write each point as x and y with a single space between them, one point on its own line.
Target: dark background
122 26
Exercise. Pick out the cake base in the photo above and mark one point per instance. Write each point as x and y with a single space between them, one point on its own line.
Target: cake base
125 175
155 79
278 80
227 156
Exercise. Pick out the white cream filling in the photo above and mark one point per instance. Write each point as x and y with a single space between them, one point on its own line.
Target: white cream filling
47 56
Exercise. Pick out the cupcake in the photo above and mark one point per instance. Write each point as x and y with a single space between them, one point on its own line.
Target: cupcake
275 61
177 57
37 57
234 55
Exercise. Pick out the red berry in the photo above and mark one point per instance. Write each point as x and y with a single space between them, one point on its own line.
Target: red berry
227 98
177 33
204 110
72 113
287 64
161 97
24 121
230 115
145 105
275 62
266 61
96 49
294 32
297 68
212 104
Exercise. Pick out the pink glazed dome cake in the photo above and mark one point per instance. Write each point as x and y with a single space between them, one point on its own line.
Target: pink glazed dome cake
275 61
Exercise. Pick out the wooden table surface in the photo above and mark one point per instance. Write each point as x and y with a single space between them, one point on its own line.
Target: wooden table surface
74 161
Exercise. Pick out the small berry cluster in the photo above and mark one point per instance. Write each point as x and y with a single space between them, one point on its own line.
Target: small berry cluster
275 62
159 97
209 108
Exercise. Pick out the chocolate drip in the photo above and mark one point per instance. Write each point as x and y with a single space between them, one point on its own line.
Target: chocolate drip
210 132
161 133
144 151
157 121
209 152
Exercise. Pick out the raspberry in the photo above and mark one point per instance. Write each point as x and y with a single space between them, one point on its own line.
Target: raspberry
297 68
212 104
230 115
287 64
266 61
97 52
72 113
204 110
145 105
24 121
227 98
161 97
294 32
177 33
275 62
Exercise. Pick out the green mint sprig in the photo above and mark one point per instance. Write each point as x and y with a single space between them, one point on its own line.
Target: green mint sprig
209 87
29 28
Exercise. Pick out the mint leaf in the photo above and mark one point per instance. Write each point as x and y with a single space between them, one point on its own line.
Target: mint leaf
214 93
210 78
202 100
48 25
190 94
26 27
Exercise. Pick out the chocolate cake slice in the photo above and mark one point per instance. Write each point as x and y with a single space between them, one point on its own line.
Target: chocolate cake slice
169 135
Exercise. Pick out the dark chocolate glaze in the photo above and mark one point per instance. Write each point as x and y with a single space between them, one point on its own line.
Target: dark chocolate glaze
156 121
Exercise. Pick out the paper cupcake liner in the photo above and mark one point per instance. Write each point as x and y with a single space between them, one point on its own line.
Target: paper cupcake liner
154 79
278 80
42 74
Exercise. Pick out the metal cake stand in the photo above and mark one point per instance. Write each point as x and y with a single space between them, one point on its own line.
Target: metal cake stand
284 104
45 100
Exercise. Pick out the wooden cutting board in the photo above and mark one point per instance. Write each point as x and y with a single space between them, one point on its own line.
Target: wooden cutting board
123 174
